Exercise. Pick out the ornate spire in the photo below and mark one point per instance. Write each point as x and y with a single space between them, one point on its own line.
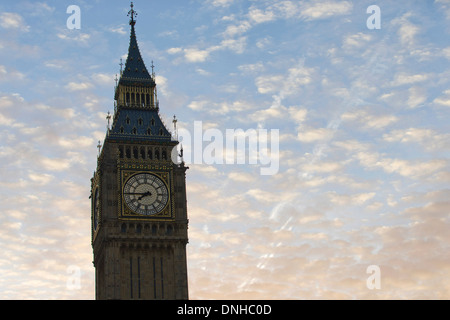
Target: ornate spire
135 69
132 13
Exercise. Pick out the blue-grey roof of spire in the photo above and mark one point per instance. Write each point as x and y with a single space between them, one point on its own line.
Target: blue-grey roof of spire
139 125
135 70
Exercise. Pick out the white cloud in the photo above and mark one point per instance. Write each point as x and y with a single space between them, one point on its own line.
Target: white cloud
221 3
57 165
443 100
10 20
268 84
102 79
174 50
80 38
407 31
297 114
10 75
41 178
258 16
239 29
417 96
198 105
74 86
350 200
367 120
119 30
404 78
309 135
236 45
411 169
322 167
357 40
241 177
196 55
429 139
325 9
288 84
76 142
221 108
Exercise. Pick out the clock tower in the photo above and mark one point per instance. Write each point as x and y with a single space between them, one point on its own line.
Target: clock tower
139 210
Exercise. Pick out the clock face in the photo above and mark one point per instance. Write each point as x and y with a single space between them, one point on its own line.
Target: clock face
145 194
96 206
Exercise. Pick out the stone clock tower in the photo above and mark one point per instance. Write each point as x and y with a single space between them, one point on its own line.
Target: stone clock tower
139 209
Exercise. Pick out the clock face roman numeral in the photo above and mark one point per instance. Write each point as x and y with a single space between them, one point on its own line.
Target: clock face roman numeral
145 194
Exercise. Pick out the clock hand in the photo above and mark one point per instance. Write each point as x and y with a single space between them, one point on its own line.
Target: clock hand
147 194
137 193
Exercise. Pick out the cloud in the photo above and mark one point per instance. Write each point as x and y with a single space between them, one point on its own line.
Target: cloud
358 40
74 86
367 120
10 20
78 38
411 169
41 179
221 3
347 200
174 50
404 78
417 96
297 114
406 30
239 29
222 108
325 9
103 79
10 75
309 135
296 77
443 100
241 177
196 55
119 29
259 16
256 16
429 139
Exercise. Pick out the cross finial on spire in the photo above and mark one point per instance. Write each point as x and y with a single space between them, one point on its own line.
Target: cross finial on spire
153 70
108 117
99 146
133 13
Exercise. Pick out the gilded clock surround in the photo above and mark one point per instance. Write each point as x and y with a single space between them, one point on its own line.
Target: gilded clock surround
165 174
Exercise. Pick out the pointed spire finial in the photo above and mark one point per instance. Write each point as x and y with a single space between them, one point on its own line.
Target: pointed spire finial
153 71
99 146
132 13
108 117
174 121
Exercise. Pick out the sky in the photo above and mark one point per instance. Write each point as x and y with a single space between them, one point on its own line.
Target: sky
358 207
